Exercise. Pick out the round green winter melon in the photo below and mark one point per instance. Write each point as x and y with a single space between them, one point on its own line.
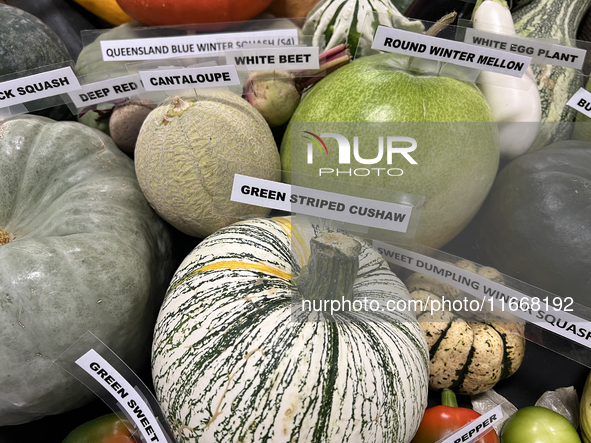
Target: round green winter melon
188 151
457 151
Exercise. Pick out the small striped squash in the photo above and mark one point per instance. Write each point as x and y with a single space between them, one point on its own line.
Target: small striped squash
353 22
468 356
557 20
235 361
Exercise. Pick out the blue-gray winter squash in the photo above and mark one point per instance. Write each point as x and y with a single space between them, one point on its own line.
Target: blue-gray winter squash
80 250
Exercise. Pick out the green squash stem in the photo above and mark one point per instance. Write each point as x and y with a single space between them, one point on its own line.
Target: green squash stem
4 237
332 268
448 398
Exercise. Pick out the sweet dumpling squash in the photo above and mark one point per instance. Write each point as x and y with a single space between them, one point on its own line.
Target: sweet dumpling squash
468 356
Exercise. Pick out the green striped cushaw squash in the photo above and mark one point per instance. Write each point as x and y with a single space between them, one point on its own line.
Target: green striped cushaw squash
557 20
234 360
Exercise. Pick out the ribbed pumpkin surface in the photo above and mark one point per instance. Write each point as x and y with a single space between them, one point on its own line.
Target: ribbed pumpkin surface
86 253
232 362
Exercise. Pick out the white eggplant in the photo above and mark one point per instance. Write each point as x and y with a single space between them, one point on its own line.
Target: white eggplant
515 101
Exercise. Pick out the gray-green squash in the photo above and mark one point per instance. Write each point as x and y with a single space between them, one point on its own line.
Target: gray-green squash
534 225
26 44
80 250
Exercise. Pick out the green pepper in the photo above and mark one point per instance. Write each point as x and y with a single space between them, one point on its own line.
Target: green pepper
534 424
105 429
441 421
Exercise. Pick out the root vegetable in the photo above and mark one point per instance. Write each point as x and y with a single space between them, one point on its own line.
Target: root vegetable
276 94
126 122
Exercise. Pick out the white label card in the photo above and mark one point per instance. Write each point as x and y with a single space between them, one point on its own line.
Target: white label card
186 78
329 205
449 51
581 101
129 399
539 51
291 58
107 90
494 295
475 429
42 85
158 48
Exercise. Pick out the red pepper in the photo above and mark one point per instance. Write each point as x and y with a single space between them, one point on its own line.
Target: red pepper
106 429
441 421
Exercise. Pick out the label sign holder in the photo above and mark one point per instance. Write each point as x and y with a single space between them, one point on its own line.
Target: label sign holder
160 48
270 62
476 429
110 90
565 331
190 78
370 212
321 204
581 101
104 373
291 58
449 51
37 89
182 67
540 51
567 53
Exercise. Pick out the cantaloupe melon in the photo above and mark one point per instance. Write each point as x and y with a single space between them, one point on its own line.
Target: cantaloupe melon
189 150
